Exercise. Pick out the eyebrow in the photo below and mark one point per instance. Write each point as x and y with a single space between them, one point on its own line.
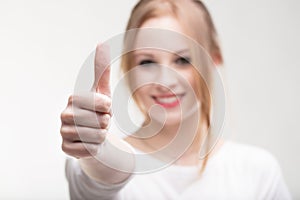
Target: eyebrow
182 51
151 55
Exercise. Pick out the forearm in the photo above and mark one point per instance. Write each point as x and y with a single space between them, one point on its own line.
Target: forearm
91 179
113 164
81 186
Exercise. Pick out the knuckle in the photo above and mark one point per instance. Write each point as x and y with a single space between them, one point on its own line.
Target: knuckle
67 115
101 135
62 115
103 103
98 102
67 131
71 99
107 104
105 118
74 100
62 131
64 147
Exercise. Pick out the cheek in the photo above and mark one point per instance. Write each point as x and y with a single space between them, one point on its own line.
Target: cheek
142 76
190 79
192 84
141 95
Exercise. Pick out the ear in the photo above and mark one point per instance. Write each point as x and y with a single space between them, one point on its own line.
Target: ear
217 58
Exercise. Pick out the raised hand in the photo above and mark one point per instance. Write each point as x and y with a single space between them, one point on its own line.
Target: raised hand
86 118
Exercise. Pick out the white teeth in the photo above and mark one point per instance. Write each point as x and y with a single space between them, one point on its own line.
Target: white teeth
167 99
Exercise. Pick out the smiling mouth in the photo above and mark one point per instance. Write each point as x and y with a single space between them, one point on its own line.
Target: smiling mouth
168 101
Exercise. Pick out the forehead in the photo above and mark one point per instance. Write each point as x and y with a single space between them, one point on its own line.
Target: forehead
163 22
158 53
163 33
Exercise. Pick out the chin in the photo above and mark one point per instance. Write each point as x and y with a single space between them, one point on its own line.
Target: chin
173 120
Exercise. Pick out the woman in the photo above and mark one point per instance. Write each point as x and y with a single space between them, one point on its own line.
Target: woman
171 85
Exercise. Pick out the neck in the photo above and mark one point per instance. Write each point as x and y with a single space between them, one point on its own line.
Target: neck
178 141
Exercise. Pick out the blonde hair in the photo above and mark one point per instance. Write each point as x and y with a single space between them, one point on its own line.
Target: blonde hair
196 20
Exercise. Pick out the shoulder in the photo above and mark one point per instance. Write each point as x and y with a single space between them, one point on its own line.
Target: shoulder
254 169
249 153
250 158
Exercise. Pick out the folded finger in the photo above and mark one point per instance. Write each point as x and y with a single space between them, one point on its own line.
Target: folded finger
83 134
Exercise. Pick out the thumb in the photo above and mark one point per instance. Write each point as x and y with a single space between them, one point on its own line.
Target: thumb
102 70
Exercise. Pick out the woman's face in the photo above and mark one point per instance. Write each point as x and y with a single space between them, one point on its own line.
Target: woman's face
166 79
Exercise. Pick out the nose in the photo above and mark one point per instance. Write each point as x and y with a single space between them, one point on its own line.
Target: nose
167 79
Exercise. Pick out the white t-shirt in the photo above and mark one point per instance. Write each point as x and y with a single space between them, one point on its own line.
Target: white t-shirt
236 171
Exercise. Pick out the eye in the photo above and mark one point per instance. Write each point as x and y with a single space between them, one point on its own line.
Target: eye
183 61
146 62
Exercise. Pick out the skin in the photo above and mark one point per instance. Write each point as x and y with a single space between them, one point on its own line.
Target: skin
166 84
83 141
91 111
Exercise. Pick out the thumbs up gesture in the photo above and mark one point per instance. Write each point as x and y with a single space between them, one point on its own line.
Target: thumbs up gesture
86 118
102 71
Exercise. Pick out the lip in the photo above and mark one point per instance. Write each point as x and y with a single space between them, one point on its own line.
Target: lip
168 100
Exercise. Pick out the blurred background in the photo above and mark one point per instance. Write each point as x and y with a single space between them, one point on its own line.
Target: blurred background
44 43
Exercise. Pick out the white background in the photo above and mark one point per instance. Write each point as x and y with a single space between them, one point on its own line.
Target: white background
44 43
